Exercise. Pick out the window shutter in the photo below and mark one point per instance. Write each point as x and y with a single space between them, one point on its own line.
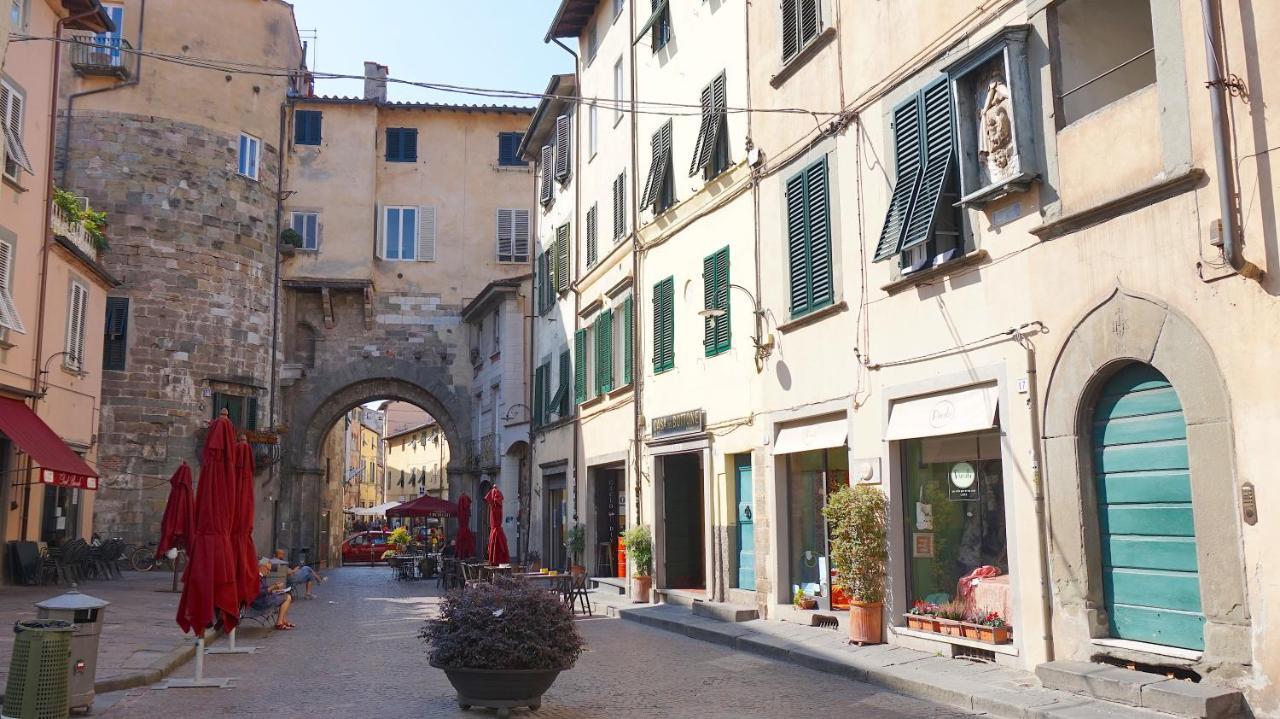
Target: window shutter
75 325
821 282
810 20
604 352
11 120
562 147
393 144
116 331
317 127
539 380
593 249
562 258
520 234
544 193
540 282
628 340
619 206
664 325
660 145
301 127
938 149
506 236
715 295
580 366
566 378
8 310
908 159
409 144
790 28
714 109
797 245
426 234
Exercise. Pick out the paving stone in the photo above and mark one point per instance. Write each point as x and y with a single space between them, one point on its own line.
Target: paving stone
1096 680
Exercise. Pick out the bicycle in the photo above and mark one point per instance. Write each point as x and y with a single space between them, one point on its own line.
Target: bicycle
143 558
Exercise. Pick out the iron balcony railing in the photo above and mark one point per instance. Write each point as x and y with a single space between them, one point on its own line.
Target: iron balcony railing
102 55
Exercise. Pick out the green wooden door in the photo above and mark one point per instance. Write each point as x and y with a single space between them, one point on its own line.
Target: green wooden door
746 523
1151 583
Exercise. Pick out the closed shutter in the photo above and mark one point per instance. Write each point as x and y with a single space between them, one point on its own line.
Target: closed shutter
909 159
306 127
664 325
797 246
714 114
506 236
116 333
539 386
715 296
409 144
544 192
801 22
592 240
9 317
562 258
520 234
810 20
394 150
809 240
78 307
659 167
628 340
939 151
619 207
426 234
604 352
540 281
580 366
562 147
566 378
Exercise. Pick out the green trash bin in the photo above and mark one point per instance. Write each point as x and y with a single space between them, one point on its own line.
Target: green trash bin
37 687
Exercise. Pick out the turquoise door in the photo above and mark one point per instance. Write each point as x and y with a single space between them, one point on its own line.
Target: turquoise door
1151 583
746 523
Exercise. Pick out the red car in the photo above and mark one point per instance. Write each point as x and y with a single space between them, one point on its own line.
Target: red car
365 547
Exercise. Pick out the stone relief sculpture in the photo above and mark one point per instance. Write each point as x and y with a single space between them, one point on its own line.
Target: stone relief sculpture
996 153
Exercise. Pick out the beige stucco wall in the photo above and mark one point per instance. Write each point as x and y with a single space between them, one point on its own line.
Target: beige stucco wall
422 450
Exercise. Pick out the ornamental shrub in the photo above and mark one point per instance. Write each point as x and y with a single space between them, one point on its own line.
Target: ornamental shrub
504 624
859 518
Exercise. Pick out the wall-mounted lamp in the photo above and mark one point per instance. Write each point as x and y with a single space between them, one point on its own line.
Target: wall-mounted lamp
763 343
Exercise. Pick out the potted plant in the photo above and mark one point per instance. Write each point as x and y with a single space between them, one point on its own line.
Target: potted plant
951 616
399 538
502 643
639 544
859 519
923 616
290 240
804 601
576 544
993 629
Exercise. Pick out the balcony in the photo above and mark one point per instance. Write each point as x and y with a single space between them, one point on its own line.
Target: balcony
102 55
72 228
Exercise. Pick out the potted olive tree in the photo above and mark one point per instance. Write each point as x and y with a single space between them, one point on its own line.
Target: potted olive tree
502 643
859 519
638 542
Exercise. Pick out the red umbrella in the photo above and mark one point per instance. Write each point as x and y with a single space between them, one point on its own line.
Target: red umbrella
498 552
424 506
466 539
242 526
209 583
175 527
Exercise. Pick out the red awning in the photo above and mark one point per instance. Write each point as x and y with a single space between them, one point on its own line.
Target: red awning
424 506
58 464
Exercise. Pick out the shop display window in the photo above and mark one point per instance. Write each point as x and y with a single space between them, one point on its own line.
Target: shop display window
812 477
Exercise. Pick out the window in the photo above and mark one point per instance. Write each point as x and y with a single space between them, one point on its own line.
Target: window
509 149
402 144
513 235
563 403
659 189
116 333
562 148
546 168
1105 51
541 376
249 157
617 92
658 25
593 250
243 412
603 330
562 258
580 366
77 310
592 117
809 240
715 298
801 23
9 319
306 127
409 233
111 40
664 320
619 206
307 225
12 102
711 150
922 223
593 42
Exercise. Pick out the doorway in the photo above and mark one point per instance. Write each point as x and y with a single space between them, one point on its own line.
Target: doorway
608 503
746 522
555 510
682 521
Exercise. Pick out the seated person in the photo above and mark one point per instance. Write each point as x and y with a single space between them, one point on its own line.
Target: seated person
451 550
271 595
298 573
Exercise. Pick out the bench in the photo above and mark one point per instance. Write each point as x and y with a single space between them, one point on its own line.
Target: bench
262 617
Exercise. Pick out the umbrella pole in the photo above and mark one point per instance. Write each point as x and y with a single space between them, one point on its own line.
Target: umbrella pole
199 680
231 647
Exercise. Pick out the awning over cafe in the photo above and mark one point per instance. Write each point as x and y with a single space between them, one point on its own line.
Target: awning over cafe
58 464
807 436
966 410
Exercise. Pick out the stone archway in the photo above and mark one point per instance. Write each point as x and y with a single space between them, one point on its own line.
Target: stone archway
1122 329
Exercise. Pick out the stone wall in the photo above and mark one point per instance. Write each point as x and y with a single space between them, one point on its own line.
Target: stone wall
193 243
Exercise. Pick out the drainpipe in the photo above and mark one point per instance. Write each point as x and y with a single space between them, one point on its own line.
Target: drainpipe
637 375
1041 498
275 321
1231 241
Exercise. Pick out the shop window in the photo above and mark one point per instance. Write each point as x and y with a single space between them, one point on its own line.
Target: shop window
61 520
954 515
811 477
1104 50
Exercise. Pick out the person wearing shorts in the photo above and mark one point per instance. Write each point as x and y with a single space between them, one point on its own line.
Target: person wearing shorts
269 596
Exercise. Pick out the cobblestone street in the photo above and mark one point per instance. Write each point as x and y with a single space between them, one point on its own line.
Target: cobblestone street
355 653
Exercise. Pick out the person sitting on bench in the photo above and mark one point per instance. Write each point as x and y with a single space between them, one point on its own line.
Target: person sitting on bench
272 595
298 574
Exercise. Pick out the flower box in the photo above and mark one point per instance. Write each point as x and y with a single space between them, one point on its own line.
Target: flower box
994 635
950 627
970 631
923 623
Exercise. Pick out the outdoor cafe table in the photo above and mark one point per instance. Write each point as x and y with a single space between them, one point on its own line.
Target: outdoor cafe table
556 582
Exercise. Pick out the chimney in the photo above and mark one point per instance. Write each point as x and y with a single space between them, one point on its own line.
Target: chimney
375 82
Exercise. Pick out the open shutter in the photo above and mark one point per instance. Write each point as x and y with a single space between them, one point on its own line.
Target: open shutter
79 305
116 333
520 234
11 119
506 236
660 145
540 282
562 258
619 207
821 281
938 148
628 340
714 107
593 250
426 234
580 366
9 317
380 231
562 147
539 382
604 352
544 192
908 159
566 378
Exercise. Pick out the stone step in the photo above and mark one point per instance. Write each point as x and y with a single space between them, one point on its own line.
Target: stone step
726 612
1143 689
677 597
611 585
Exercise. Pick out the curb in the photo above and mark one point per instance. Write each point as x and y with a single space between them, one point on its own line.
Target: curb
175 658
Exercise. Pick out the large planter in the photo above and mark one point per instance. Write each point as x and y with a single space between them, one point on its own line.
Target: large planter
866 622
640 588
501 689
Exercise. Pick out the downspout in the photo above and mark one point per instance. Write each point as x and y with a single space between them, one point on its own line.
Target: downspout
633 209
1231 241
71 99
1041 498
275 318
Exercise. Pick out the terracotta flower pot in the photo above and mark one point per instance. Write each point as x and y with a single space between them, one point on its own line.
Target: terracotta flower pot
916 621
971 631
866 622
950 627
640 588
995 635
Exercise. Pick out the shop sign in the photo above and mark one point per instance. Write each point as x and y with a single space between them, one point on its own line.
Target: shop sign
963 486
673 425
66 479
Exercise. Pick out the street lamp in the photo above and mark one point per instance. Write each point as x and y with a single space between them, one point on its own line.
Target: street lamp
763 344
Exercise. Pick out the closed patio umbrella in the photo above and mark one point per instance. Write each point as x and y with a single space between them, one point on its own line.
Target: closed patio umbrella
498 552
210 593
466 538
242 526
176 525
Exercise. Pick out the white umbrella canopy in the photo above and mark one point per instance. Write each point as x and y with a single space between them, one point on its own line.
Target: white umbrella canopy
377 511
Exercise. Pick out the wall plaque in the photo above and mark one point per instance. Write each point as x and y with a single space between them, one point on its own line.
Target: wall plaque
673 425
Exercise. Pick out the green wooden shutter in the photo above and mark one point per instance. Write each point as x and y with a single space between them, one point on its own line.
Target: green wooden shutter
702 144
539 395
664 325
628 340
821 272
409 143
580 366
566 378
604 352
909 160
797 244
938 148
715 296
562 258
593 230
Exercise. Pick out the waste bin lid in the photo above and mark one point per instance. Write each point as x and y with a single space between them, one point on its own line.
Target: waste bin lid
72 600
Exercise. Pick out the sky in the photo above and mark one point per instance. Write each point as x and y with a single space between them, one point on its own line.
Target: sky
479 43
